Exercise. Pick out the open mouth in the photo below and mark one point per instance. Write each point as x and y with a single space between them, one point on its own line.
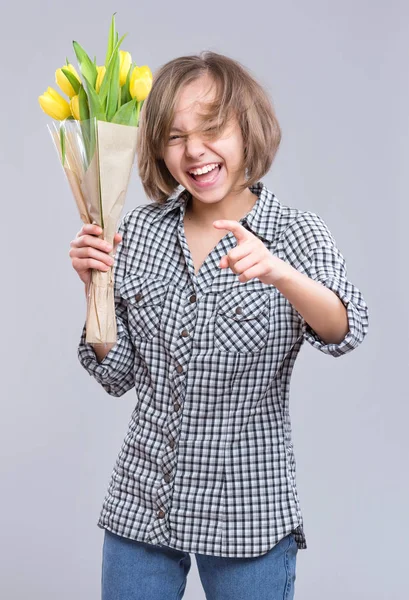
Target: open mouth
208 177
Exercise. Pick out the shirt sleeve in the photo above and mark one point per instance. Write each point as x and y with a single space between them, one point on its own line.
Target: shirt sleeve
115 373
325 263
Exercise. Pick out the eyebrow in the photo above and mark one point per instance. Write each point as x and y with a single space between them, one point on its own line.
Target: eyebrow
176 129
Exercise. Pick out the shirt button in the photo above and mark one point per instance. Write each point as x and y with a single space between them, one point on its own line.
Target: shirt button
172 443
161 514
167 478
138 297
239 310
176 406
185 333
179 368
192 298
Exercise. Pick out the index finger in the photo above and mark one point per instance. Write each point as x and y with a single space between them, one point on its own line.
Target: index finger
240 233
90 228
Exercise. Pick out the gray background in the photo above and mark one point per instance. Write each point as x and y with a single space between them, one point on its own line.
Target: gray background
338 74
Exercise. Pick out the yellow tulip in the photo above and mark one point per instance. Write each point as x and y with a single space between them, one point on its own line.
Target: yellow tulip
63 82
124 66
75 107
140 83
100 77
54 105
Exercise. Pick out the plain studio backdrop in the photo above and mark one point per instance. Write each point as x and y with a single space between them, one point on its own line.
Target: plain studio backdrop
338 74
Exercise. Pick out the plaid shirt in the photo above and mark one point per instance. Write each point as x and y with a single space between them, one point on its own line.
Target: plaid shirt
207 464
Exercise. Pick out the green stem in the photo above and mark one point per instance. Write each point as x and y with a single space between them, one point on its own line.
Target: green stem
62 143
138 110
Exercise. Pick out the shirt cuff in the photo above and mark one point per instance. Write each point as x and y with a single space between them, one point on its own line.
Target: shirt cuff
88 359
356 322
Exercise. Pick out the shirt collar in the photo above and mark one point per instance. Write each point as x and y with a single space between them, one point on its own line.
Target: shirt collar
263 219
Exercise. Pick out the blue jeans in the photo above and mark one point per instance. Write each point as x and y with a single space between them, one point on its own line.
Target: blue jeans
134 570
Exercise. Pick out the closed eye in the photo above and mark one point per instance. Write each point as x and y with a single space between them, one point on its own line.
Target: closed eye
207 130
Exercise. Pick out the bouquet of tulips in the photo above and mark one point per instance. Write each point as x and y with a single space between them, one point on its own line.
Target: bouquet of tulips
95 136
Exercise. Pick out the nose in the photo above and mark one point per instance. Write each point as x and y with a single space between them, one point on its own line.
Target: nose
194 146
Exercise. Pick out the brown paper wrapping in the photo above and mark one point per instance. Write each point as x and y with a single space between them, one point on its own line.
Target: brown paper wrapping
106 178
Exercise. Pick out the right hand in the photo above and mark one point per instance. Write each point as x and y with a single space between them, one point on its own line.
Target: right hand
88 251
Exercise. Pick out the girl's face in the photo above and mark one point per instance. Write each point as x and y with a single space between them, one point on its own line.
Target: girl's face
184 153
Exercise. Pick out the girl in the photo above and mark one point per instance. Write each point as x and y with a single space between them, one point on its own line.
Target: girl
216 289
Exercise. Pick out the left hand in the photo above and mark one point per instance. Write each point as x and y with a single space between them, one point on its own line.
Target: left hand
250 258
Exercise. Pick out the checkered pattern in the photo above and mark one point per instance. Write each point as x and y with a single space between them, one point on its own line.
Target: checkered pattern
207 465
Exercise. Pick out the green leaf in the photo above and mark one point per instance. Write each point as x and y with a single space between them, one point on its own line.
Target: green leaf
83 103
126 115
88 69
96 113
125 93
111 41
85 125
72 79
106 82
96 108
114 89
62 142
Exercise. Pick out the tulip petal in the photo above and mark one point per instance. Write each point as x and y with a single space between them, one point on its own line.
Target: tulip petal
74 106
125 64
140 83
56 96
54 105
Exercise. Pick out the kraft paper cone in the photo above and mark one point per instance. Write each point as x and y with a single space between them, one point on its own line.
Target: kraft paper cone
99 189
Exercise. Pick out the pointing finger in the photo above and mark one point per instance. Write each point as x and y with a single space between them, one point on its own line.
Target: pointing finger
240 233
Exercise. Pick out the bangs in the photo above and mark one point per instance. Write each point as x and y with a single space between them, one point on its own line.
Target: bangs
214 117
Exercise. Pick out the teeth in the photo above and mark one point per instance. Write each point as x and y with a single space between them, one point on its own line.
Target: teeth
205 169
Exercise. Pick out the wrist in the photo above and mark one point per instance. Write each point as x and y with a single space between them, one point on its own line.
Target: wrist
281 273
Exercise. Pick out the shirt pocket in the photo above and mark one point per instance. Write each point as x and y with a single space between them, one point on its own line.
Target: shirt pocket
242 321
144 296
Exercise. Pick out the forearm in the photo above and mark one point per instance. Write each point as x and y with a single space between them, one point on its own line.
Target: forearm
319 306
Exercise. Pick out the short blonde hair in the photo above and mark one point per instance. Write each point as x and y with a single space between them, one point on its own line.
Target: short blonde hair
238 95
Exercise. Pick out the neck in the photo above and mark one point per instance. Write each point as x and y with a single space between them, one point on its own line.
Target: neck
233 207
